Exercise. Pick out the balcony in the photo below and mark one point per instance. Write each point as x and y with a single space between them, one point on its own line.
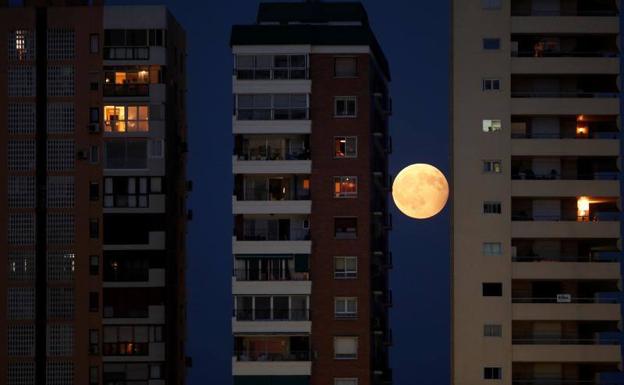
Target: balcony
565 270
276 315
152 314
280 355
577 168
135 278
567 353
583 128
126 90
271 67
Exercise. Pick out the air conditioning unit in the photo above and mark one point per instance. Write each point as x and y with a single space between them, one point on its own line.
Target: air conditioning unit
564 298
94 128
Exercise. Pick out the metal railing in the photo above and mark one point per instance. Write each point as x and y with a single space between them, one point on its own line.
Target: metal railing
272 314
585 258
593 135
540 54
532 12
277 275
600 175
274 73
565 94
541 340
293 235
125 349
294 113
251 194
268 154
126 90
597 217
126 53
559 301
259 355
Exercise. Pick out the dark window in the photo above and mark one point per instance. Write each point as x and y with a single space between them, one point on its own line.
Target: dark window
345 67
492 373
345 106
94 43
115 38
491 84
491 44
492 207
94 265
94 228
492 289
136 38
94 154
94 375
94 86
131 229
94 191
94 301
94 341
126 154
94 115
345 228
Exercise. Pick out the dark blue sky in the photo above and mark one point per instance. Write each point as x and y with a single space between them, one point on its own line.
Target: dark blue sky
415 38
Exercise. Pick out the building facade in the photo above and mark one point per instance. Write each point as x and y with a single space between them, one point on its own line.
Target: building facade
310 164
92 194
537 189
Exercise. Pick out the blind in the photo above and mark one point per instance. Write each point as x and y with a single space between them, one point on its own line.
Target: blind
345 345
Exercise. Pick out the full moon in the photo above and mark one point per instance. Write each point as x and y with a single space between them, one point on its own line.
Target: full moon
420 191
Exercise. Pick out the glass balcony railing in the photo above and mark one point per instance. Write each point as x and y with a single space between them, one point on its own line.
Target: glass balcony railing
272 314
545 340
564 300
266 355
113 90
273 114
275 275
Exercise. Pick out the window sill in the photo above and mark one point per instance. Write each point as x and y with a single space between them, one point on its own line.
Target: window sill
345 116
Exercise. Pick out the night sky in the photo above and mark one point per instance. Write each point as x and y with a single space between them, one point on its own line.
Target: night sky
415 38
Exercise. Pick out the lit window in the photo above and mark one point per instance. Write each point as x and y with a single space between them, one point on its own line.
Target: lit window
492 166
492 373
126 118
345 348
345 107
492 207
491 84
345 187
345 228
492 125
492 248
345 307
345 67
345 267
345 147
491 44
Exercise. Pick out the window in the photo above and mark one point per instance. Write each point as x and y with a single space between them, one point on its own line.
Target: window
491 44
129 192
94 375
345 187
345 228
128 340
156 148
21 229
278 67
345 147
94 191
491 84
21 191
345 348
94 228
272 107
345 307
492 289
94 115
345 107
21 340
491 4
61 228
492 207
21 155
492 125
21 373
21 45
61 303
21 303
21 118
492 330
492 373
492 166
345 381
61 117
94 302
126 154
60 340
61 80
345 67
121 119
94 154
60 373
94 264
492 248
61 266
61 44
60 192
94 43
21 81
61 154
345 267
21 266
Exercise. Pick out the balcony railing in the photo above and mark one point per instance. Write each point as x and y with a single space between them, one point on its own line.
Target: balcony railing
565 94
534 12
552 381
294 235
601 175
558 53
273 114
257 355
564 301
594 135
539 340
272 314
275 73
268 154
127 275
113 90
126 53
266 195
596 217
125 349
280 275
112 312
584 258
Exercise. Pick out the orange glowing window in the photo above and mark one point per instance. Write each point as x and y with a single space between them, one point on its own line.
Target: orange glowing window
345 187
126 118
306 184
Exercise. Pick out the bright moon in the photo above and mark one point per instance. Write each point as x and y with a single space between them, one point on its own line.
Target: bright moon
420 191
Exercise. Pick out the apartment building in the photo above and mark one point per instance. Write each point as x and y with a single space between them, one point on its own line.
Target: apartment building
536 217
310 163
92 194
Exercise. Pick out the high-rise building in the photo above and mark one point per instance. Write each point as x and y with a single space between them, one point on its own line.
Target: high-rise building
537 192
92 194
310 244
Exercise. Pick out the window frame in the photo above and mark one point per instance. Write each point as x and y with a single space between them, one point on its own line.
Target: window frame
350 356
493 330
345 314
492 82
346 274
489 249
339 181
491 166
353 380
492 373
497 207
487 41
346 235
492 126
356 73
486 286
346 99
346 139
